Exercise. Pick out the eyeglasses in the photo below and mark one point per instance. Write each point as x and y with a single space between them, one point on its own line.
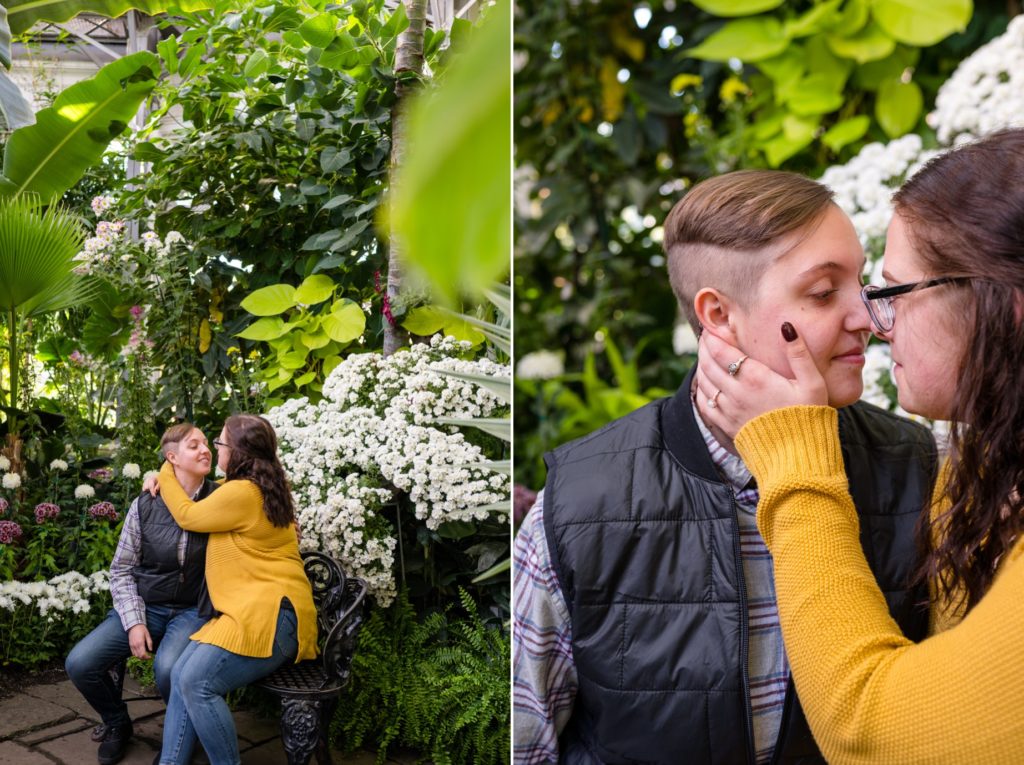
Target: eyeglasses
221 444
879 299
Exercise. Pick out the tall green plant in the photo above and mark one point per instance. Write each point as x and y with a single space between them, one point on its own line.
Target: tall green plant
37 251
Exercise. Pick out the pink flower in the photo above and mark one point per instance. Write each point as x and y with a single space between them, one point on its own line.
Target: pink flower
46 510
101 474
136 312
9 531
104 510
3 505
76 357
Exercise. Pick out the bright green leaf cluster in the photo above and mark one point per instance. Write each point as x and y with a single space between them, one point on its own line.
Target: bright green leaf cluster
808 60
306 344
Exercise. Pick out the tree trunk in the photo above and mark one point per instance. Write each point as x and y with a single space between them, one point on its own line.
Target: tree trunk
408 68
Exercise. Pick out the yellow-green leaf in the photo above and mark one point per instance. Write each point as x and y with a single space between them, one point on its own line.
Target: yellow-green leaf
314 289
270 301
425 320
922 22
746 39
265 329
737 7
869 44
898 107
345 322
846 132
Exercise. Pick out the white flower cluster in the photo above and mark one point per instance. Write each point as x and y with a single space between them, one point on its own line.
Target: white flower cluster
84 491
11 480
864 186
58 464
131 470
540 365
67 592
986 92
376 430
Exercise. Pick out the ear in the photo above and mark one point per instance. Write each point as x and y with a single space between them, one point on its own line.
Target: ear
171 456
717 314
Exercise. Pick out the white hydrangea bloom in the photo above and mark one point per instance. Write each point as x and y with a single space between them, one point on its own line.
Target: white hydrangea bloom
11 480
376 429
986 92
131 470
84 491
540 365
60 465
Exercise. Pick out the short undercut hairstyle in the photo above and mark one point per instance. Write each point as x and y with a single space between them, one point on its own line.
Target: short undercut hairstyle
721 233
174 436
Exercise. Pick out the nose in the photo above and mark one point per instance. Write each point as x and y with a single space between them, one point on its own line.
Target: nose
857 317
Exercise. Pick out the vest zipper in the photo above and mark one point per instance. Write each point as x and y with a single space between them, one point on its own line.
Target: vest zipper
744 636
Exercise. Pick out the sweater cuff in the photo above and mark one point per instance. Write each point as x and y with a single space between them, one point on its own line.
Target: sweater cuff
798 441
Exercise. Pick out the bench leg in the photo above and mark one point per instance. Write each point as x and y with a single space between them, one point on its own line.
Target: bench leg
300 729
323 748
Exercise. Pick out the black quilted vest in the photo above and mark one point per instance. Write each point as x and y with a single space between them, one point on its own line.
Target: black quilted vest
160 579
643 534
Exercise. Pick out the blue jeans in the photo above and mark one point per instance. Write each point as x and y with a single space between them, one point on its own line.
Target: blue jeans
90 660
199 682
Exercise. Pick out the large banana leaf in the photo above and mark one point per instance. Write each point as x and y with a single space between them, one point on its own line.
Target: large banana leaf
22 14
5 39
16 110
50 156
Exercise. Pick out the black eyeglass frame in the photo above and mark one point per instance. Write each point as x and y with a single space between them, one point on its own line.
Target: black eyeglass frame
870 292
221 444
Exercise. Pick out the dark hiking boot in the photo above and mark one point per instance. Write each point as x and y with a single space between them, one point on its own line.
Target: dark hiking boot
114 744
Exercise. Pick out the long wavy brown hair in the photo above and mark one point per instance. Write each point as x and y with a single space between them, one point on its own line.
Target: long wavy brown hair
253 457
965 217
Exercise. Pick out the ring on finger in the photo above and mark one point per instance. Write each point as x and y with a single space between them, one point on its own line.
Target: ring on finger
734 367
713 401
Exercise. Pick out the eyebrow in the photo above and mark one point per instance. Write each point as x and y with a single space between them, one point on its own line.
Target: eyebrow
830 265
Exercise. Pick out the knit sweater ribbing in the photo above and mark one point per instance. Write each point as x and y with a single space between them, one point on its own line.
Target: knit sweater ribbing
871 695
250 566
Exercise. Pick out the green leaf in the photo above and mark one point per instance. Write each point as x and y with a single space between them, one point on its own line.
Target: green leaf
319 30
311 188
305 379
5 39
265 329
460 329
256 64
23 14
345 322
495 426
332 159
871 75
784 70
337 201
294 360
497 568
815 95
797 134
168 50
314 289
425 320
869 44
16 110
846 132
190 60
450 204
852 18
270 301
737 7
817 19
50 156
456 529
499 386
922 22
746 39
314 340
898 107
397 23
820 60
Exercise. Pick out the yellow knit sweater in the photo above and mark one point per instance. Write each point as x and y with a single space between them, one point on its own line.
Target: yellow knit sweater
872 696
250 565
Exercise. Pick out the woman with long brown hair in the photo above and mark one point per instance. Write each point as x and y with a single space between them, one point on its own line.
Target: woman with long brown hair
953 312
264 608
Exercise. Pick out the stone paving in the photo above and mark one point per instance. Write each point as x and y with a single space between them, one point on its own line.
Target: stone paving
50 724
